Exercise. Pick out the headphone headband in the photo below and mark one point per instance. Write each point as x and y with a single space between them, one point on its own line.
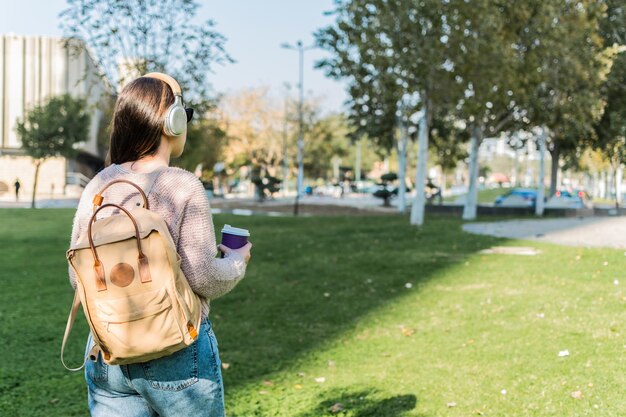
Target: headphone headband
167 79
176 116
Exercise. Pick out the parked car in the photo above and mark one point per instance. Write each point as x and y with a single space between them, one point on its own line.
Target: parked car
518 197
575 199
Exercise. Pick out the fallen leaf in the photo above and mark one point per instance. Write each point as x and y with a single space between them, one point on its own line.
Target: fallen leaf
406 331
225 365
335 408
297 386
577 395
263 392
331 364
320 379
268 383
301 374
53 401
451 404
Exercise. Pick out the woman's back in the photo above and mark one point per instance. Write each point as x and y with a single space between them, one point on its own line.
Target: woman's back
179 198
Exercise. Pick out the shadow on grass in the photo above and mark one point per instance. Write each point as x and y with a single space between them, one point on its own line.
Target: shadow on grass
312 279
361 404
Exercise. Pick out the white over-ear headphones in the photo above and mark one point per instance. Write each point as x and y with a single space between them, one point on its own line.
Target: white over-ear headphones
176 116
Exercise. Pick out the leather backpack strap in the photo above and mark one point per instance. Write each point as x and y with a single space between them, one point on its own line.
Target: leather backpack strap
68 329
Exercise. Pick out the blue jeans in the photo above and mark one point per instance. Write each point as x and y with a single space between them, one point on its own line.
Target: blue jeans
186 383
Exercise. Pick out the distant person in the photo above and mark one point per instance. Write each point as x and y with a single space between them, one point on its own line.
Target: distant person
17 186
148 128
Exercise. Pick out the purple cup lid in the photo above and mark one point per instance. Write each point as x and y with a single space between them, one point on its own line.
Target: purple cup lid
235 231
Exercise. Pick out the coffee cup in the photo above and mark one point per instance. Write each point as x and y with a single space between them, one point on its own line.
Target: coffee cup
234 237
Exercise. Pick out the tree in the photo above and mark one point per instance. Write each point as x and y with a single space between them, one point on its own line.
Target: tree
611 128
204 147
327 137
133 37
53 129
253 123
389 50
448 136
482 39
569 65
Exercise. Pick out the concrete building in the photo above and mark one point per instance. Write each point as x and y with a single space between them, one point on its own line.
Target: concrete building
33 68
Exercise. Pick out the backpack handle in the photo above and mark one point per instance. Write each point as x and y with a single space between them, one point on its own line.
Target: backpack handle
97 199
144 269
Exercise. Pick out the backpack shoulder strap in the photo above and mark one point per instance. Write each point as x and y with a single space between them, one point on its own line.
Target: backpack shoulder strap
98 198
68 329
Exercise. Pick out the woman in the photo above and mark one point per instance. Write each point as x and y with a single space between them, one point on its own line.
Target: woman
146 132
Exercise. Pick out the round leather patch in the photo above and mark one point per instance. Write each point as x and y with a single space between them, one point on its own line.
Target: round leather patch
122 275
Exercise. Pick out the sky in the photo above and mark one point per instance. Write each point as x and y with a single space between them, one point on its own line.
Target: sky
255 29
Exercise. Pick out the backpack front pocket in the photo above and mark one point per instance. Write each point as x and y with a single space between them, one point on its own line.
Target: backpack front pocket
139 324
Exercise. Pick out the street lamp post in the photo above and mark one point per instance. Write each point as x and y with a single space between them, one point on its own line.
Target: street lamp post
300 48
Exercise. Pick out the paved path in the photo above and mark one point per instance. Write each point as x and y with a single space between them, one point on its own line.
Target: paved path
588 231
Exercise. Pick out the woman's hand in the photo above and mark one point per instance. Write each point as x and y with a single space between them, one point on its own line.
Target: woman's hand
244 251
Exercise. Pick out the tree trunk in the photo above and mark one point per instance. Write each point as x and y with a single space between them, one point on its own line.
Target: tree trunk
37 165
471 201
402 147
618 186
417 210
539 206
555 153
357 167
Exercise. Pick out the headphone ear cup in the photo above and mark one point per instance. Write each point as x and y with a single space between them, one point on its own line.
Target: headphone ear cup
175 121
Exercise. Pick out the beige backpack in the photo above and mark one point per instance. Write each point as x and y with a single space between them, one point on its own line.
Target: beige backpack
136 299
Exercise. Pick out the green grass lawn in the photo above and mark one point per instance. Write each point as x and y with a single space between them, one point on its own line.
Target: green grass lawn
486 196
327 297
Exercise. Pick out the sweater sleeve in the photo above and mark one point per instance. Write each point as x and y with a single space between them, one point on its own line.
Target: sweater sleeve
208 276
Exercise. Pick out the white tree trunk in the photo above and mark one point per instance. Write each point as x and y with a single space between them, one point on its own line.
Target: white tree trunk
595 193
357 163
471 202
539 206
402 148
417 210
618 186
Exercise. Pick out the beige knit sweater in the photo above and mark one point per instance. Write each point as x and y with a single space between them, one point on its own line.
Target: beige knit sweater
180 199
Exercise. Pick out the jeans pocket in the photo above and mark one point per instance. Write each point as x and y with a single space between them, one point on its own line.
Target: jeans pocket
213 347
173 372
97 370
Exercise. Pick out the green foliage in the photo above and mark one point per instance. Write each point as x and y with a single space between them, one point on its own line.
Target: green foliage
447 137
205 143
326 138
387 50
145 36
54 128
611 128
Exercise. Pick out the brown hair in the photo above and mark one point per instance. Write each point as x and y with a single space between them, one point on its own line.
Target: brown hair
138 118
